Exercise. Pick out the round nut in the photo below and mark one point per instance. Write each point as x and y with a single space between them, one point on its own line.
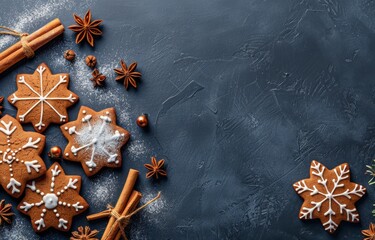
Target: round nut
90 61
69 55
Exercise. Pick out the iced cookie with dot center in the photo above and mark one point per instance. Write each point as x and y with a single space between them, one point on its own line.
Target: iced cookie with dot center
19 156
53 200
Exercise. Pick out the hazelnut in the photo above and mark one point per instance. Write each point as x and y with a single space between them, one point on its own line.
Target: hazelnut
69 55
90 61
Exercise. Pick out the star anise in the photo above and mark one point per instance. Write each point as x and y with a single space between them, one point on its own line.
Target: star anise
5 212
155 168
128 75
369 233
97 78
1 102
84 234
86 28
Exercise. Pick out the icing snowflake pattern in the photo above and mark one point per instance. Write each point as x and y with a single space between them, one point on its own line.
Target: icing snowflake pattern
329 195
42 97
53 205
19 155
96 139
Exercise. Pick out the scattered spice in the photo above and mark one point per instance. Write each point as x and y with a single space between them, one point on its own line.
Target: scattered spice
84 234
90 61
86 28
369 233
155 168
5 212
69 55
128 75
1 102
97 78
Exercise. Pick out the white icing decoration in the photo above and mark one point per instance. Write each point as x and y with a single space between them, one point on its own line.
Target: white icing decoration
7 131
31 144
77 206
40 223
62 223
100 138
71 183
55 172
42 98
10 155
330 196
33 164
26 206
72 130
50 200
32 186
13 183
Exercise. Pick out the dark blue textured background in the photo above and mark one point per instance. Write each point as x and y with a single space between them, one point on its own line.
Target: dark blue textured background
241 95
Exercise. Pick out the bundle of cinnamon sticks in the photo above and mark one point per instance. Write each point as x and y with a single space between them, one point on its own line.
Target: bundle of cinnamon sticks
126 204
35 40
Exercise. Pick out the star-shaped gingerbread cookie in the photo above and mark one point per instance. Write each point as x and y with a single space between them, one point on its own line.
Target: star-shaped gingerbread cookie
53 200
19 156
42 98
329 195
95 140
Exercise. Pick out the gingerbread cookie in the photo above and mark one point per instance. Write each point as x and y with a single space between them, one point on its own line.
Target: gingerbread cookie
329 195
95 140
42 98
19 156
53 200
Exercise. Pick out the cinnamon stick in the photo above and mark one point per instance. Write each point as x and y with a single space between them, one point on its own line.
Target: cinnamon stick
96 216
123 199
37 39
132 204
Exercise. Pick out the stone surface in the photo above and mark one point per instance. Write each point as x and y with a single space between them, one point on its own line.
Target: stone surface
241 96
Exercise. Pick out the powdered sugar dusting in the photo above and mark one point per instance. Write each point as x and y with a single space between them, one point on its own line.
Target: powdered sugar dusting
98 139
102 191
32 16
19 230
153 212
137 149
137 233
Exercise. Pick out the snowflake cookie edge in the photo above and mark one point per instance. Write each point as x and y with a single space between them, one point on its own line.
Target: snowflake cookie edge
59 116
324 187
32 141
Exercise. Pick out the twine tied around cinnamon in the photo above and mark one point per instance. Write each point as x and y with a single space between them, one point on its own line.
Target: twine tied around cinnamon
123 221
27 50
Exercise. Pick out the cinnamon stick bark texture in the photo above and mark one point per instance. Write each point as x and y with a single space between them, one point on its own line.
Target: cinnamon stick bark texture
123 199
132 204
35 40
100 215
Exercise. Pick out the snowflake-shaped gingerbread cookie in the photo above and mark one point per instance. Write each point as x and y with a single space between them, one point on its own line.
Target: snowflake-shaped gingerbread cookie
95 140
53 201
42 98
329 195
19 156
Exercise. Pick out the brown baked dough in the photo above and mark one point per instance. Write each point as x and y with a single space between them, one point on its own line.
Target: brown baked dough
53 200
95 140
42 98
19 156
